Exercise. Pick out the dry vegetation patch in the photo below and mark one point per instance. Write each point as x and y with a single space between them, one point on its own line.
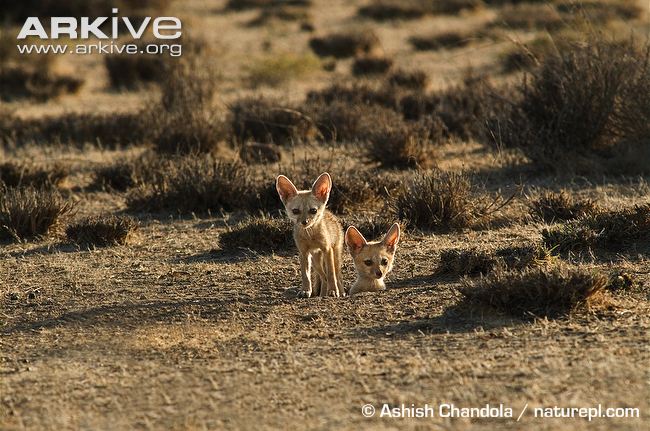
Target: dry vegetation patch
342 45
15 174
29 212
101 231
371 65
385 10
552 291
612 230
35 81
263 235
560 206
475 261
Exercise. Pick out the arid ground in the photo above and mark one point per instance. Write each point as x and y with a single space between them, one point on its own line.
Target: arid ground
178 326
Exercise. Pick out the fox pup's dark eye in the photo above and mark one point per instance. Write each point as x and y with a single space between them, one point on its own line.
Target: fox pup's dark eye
295 211
368 262
313 211
384 262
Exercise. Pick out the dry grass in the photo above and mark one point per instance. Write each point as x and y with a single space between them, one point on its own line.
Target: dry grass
41 84
200 184
578 106
560 206
342 45
411 79
551 292
28 212
255 152
14 174
262 235
447 40
371 65
388 10
131 72
475 261
265 120
612 230
101 231
441 201
401 145
526 16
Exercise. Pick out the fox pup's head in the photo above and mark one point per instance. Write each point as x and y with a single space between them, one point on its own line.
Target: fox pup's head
305 207
372 259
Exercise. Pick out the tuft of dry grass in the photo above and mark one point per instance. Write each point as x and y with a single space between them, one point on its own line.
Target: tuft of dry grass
411 79
577 107
101 231
371 65
342 45
255 152
239 5
611 230
269 121
474 261
342 121
601 11
133 71
200 184
402 145
552 292
39 83
386 10
14 174
560 206
29 212
108 130
280 12
263 235
444 201
531 16
447 40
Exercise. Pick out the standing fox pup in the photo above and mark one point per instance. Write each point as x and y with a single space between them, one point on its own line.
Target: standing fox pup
318 235
372 260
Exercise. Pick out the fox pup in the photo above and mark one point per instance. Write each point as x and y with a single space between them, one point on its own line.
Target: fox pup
318 235
372 260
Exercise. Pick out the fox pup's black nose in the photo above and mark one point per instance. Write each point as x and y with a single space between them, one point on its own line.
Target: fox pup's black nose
304 222
378 273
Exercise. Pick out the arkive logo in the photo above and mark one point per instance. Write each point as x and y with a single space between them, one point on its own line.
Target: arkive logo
166 27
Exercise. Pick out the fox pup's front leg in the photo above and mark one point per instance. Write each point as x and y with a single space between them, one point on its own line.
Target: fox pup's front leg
305 272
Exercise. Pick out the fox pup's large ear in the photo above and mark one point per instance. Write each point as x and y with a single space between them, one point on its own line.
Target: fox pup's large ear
392 237
285 188
354 240
322 187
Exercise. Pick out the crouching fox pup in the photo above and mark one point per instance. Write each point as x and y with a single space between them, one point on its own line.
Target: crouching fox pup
318 235
372 260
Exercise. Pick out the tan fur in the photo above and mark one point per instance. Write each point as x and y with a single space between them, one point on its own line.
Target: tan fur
372 260
318 236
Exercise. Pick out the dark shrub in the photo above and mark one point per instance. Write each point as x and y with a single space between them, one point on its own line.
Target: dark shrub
539 292
341 45
371 65
14 174
262 235
17 82
552 207
411 79
101 231
28 212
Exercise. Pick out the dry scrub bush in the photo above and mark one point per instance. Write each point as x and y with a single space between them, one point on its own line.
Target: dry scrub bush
108 130
186 121
610 230
200 184
552 207
371 65
583 106
401 145
262 235
265 120
122 175
447 40
239 5
36 81
482 262
29 212
280 12
14 174
410 79
101 231
549 291
463 109
436 200
133 71
342 45
385 10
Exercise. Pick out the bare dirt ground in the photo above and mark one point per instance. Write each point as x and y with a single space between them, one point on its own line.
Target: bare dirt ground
172 332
